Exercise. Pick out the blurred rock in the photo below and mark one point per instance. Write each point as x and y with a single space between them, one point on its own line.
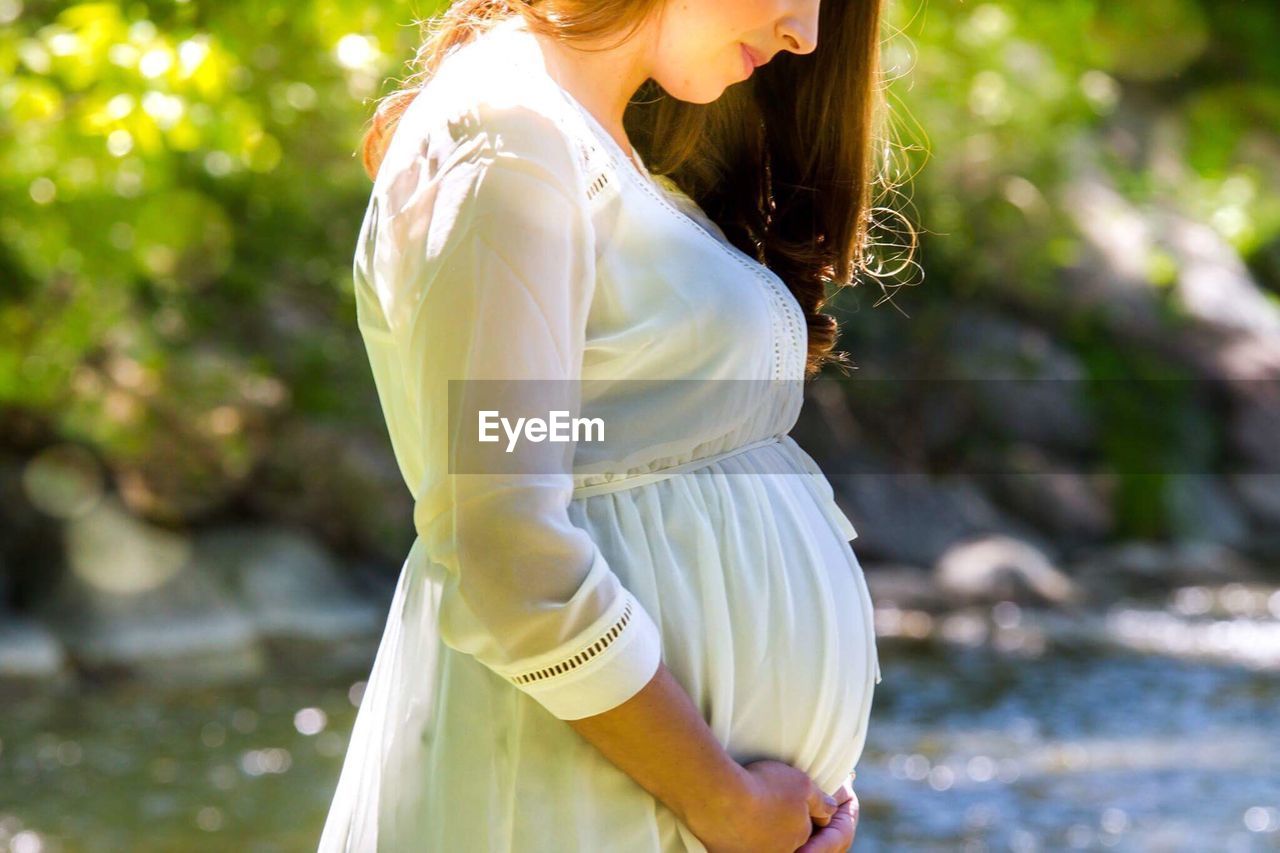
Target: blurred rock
827 428
28 650
1027 387
1001 568
1256 426
139 598
1259 494
1152 569
912 518
1203 508
1071 506
288 584
904 587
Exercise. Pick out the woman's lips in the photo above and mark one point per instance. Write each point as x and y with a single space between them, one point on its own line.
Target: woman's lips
750 59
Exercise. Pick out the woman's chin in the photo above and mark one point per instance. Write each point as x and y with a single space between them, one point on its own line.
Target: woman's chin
698 91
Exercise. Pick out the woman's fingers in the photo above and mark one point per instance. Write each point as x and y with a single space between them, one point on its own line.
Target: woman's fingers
821 806
837 835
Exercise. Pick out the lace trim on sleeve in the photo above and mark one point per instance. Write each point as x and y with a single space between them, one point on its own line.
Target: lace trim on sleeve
581 657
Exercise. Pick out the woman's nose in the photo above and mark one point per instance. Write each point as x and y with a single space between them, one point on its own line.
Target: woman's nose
800 33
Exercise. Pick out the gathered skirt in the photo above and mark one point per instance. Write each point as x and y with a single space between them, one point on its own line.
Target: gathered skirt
766 620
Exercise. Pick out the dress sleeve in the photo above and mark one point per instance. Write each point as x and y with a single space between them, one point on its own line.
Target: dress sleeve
490 245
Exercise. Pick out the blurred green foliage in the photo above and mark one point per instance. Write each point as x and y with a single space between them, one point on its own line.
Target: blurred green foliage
180 192
180 198
1001 108
999 98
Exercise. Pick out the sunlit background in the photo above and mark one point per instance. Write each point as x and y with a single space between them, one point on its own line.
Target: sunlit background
1077 582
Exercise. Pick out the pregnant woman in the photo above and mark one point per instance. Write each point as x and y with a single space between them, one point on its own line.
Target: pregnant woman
663 642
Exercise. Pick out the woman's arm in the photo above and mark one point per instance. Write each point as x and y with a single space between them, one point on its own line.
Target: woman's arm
659 739
484 269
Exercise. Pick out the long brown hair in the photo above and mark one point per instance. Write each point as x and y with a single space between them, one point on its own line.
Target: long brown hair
783 162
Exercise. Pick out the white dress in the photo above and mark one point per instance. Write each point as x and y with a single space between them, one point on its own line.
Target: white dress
509 237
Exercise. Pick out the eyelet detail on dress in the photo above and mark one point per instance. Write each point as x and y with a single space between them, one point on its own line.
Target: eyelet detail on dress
581 657
593 189
789 348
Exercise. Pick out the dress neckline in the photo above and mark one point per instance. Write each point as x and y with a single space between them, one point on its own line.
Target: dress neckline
515 24
605 135
786 303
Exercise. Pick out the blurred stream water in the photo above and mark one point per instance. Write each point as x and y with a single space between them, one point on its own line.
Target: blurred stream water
969 750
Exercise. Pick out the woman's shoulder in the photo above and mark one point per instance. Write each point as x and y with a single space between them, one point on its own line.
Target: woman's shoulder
494 90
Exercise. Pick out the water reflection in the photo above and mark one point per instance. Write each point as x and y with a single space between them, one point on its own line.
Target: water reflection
972 748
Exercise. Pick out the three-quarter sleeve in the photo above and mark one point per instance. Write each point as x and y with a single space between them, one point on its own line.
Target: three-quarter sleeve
487 248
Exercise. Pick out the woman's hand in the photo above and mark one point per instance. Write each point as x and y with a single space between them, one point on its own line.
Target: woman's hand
836 836
765 807
774 812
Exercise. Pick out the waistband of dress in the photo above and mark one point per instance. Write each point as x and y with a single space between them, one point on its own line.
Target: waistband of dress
634 480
